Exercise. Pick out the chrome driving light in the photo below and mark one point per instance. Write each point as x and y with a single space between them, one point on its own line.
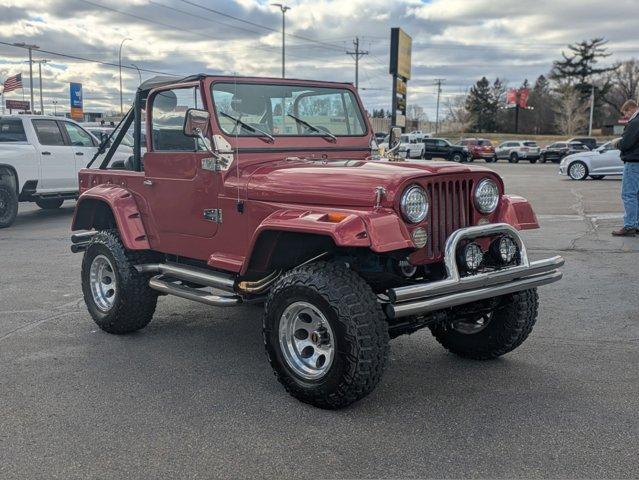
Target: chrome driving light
420 237
471 257
504 249
486 196
414 204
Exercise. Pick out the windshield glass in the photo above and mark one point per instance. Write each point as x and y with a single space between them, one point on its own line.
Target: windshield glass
283 110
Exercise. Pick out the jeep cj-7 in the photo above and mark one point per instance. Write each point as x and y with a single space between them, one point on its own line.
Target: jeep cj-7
272 190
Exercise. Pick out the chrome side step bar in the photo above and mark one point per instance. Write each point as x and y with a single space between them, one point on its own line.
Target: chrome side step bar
201 276
182 291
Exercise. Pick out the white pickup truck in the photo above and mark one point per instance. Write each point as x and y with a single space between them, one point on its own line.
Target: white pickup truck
40 157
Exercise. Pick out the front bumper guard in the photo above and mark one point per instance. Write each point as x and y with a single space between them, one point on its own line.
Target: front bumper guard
457 290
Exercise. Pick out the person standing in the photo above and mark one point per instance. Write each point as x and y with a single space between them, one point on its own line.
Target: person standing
628 145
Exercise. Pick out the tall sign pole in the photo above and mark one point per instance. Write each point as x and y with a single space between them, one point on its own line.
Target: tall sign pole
400 67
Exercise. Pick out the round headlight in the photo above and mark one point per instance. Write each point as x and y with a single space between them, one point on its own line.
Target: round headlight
414 204
486 196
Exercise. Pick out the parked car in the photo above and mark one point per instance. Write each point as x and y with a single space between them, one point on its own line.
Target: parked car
479 148
558 150
380 136
442 148
410 146
590 142
40 157
345 252
596 164
515 150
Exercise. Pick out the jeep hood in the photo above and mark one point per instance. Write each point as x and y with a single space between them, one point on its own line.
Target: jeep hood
341 183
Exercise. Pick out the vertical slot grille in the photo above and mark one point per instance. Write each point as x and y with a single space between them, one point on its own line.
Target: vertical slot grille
450 211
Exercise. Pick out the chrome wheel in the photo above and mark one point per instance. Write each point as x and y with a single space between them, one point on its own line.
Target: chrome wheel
103 282
470 327
578 171
306 340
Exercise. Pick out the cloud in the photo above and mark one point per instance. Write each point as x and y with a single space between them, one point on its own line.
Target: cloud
460 40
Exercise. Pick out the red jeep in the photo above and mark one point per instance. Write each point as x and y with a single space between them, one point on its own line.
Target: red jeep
266 190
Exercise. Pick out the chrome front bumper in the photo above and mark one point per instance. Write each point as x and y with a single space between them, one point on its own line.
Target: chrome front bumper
457 290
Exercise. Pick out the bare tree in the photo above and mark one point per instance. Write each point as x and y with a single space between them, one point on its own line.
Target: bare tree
625 84
457 115
571 112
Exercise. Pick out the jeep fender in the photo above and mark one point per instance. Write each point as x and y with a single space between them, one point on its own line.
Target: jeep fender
516 211
380 230
121 205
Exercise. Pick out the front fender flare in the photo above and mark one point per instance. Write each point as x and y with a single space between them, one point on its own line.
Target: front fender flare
380 230
125 212
516 211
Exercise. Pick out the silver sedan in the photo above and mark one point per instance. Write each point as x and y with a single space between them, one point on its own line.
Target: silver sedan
596 164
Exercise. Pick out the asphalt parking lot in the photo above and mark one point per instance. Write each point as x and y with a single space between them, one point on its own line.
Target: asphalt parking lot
192 395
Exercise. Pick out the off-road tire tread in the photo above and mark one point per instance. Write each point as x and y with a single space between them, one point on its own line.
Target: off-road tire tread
357 308
10 217
518 314
137 301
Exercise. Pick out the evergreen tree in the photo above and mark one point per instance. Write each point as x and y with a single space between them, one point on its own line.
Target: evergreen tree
481 106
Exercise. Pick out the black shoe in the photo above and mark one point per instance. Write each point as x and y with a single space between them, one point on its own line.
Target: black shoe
624 232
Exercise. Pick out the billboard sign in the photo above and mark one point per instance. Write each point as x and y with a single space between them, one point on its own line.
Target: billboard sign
518 97
400 54
17 105
77 105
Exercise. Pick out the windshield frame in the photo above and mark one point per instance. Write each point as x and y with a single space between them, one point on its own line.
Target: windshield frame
243 81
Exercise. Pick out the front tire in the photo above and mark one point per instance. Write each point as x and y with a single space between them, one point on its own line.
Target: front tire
457 157
49 203
118 298
8 206
542 158
597 177
325 335
578 171
514 158
489 336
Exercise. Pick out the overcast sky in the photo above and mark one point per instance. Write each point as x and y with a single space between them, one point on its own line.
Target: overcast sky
458 40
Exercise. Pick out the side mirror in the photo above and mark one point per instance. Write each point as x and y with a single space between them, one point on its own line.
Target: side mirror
196 123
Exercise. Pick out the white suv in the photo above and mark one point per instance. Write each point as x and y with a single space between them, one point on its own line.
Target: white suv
516 150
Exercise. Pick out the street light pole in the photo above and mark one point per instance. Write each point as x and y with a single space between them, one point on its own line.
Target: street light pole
55 108
40 62
284 9
120 64
138 69
592 108
29 47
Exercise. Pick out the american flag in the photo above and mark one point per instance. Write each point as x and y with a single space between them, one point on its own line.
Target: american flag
13 83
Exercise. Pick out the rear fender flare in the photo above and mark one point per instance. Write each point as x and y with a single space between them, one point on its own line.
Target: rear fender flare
124 209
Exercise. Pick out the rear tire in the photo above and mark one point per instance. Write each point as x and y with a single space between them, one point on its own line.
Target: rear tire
509 324
457 157
49 203
533 160
8 206
325 335
118 298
